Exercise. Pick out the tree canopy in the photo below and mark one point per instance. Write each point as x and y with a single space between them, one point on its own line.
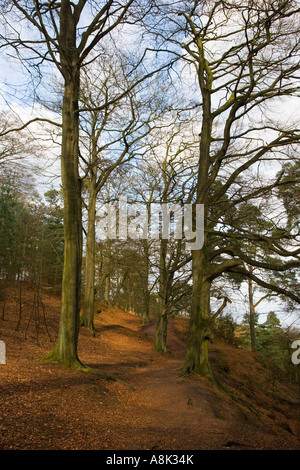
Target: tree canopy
185 103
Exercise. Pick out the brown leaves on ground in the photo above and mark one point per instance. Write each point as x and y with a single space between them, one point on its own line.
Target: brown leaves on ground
147 403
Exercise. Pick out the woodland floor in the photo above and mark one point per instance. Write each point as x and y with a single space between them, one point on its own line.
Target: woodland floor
44 406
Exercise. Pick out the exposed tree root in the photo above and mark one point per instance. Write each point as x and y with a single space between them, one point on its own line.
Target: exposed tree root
236 399
77 364
88 325
187 373
74 363
111 378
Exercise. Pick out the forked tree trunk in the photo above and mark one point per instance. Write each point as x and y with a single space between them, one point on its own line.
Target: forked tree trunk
199 332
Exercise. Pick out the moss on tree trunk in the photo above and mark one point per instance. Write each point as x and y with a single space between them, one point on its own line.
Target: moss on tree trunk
65 350
197 359
161 333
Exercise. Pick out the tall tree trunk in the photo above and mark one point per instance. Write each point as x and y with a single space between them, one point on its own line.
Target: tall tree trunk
65 349
146 306
161 331
197 359
146 293
162 322
252 315
107 272
199 334
107 289
66 346
87 319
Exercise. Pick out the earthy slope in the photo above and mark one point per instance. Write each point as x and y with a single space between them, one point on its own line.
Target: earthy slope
151 406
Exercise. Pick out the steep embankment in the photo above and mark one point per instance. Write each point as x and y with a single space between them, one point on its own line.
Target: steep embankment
150 406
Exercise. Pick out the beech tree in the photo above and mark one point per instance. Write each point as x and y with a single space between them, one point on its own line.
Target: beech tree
112 137
171 173
245 59
65 35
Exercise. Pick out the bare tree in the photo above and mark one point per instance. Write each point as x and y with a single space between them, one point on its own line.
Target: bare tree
112 137
61 37
166 184
245 59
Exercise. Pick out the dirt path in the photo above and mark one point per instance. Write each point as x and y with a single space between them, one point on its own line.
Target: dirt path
151 406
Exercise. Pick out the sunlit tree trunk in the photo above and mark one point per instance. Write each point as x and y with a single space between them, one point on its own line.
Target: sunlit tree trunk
65 350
